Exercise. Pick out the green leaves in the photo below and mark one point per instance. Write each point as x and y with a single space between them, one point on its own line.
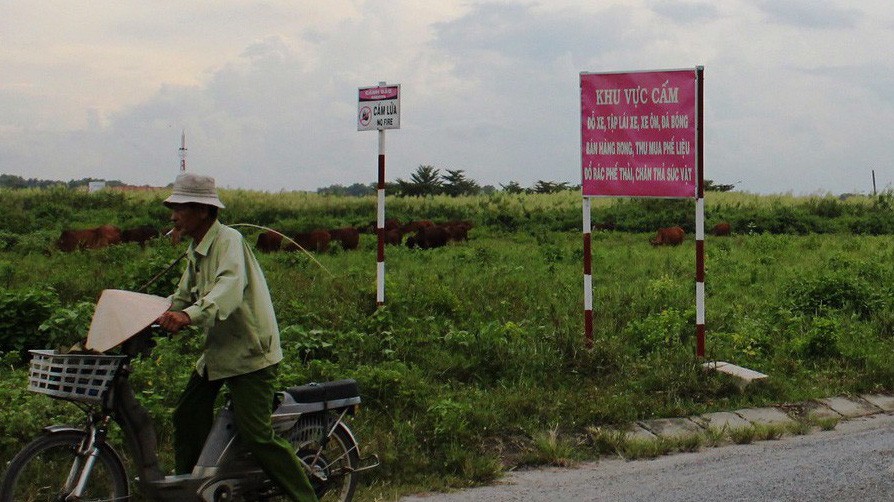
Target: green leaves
67 325
21 314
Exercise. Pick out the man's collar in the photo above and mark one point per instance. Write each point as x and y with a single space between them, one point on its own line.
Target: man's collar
203 247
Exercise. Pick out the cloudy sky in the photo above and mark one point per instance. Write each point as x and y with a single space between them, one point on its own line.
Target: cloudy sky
799 94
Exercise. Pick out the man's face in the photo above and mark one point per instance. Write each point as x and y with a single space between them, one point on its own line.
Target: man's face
188 218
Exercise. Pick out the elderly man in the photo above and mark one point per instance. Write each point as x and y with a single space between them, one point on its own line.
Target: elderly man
224 293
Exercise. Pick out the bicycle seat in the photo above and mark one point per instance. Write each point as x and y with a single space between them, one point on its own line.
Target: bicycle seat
325 391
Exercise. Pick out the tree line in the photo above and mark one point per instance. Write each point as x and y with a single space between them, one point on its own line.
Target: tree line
426 180
13 181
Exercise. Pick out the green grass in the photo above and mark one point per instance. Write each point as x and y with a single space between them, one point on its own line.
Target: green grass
477 362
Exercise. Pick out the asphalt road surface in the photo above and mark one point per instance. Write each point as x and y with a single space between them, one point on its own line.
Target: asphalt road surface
851 463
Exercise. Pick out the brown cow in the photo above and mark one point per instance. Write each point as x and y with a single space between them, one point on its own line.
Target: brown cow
269 241
394 236
315 240
458 230
139 234
390 224
721 229
415 226
672 236
429 237
90 238
349 237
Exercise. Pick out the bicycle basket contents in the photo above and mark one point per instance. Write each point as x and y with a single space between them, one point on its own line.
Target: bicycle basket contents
83 373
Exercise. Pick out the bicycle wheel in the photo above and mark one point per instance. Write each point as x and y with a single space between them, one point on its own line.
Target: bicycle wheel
38 473
333 461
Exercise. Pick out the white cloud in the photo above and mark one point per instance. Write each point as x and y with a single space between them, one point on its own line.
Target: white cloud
797 93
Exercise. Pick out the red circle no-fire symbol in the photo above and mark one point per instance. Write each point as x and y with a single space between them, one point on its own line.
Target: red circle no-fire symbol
365 115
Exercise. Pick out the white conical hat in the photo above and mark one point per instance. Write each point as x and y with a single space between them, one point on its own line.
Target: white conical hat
121 314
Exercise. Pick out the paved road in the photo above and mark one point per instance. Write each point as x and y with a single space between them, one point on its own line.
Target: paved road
851 463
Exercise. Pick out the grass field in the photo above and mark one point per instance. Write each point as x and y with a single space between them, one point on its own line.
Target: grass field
477 362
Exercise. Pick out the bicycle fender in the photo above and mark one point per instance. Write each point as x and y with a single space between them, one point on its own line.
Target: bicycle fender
56 429
351 436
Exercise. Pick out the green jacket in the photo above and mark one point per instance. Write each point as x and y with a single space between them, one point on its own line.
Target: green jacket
224 292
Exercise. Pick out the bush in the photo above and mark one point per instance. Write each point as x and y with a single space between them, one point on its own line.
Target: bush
819 340
67 325
21 314
668 330
834 290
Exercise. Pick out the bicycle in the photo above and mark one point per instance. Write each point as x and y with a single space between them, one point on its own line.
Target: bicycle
68 463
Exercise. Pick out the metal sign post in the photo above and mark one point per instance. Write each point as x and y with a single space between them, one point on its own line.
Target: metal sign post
378 109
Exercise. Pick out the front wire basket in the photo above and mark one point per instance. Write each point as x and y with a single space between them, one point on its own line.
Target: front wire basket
73 377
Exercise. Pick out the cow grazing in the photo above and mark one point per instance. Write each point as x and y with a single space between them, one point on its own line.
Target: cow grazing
90 238
429 237
672 236
349 237
415 226
269 241
390 224
458 230
139 234
394 237
721 229
315 240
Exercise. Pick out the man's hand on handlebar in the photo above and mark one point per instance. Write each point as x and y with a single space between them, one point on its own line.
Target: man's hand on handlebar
173 321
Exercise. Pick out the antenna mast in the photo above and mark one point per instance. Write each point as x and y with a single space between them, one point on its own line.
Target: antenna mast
183 151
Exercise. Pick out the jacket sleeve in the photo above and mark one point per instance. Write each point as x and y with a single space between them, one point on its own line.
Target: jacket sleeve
181 297
225 292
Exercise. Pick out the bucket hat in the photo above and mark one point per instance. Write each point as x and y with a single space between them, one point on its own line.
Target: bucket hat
189 187
121 314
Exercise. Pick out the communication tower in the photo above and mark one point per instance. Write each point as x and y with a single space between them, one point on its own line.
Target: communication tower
183 151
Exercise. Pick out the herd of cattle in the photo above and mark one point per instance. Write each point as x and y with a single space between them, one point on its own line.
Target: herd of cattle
106 235
422 234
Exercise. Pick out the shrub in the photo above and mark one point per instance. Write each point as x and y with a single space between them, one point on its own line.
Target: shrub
819 340
67 325
21 314
835 290
666 330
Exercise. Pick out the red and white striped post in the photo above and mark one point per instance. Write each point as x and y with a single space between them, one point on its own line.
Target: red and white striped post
378 108
699 216
588 276
380 224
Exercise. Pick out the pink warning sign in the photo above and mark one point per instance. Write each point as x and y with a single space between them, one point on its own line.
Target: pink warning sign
638 134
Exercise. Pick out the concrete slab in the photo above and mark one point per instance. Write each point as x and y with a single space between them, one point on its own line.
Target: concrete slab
723 420
764 415
850 407
636 432
672 427
884 403
816 409
743 376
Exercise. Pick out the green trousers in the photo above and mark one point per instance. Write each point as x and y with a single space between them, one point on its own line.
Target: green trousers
252 398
